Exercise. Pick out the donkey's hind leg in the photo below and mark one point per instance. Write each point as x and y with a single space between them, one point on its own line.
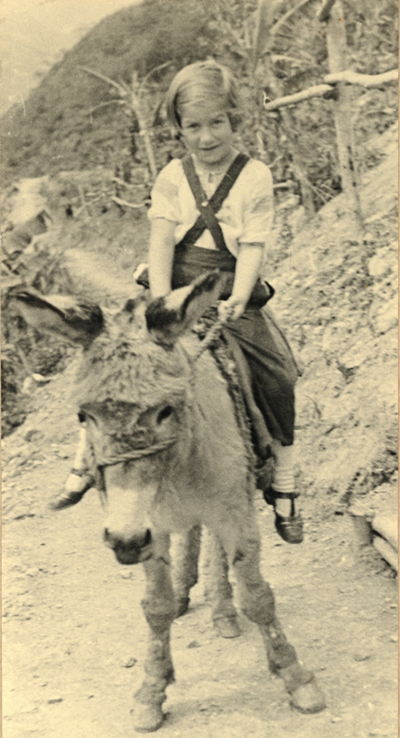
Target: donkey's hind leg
186 567
258 603
219 589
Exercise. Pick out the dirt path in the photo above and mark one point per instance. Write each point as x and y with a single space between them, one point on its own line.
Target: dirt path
74 635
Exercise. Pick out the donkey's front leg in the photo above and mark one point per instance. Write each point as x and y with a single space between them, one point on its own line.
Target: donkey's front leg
159 609
258 603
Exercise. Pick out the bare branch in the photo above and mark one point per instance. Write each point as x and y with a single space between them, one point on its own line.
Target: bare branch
121 182
126 204
316 91
365 80
153 71
285 57
122 91
288 15
11 281
327 90
324 13
105 104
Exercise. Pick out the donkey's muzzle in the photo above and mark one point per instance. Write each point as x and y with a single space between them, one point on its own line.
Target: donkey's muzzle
132 551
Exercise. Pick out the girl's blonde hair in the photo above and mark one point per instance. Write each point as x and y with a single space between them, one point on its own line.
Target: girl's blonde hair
204 80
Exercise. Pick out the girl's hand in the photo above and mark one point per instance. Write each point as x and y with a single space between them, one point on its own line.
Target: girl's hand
248 267
231 309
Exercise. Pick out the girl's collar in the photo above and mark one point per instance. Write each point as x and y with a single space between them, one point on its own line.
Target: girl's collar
212 174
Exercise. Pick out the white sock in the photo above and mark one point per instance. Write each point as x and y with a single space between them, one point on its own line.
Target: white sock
80 456
284 474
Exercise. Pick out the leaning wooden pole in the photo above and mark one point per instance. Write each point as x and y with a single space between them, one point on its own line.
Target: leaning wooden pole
337 53
262 40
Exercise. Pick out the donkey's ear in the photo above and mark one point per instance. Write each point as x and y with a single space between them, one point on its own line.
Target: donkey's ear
168 317
68 317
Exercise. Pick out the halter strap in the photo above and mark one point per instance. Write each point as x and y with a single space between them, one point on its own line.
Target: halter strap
134 453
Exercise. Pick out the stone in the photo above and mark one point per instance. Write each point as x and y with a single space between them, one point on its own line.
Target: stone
380 264
387 552
40 379
129 662
387 527
297 219
27 386
361 656
360 352
388 317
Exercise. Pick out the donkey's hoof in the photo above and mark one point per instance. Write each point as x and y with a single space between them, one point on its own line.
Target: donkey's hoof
182 606
308 698
148 718
227 627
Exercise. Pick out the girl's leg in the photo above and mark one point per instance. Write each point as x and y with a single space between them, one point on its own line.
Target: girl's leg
79 479
283 478
282 495
273 374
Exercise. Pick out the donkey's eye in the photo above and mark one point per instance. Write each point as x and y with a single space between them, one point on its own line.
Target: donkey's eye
165 413
84 416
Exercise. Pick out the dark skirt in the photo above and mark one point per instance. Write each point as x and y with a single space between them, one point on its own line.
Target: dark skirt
272 367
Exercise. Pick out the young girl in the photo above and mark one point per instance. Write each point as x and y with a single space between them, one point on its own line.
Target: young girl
204 106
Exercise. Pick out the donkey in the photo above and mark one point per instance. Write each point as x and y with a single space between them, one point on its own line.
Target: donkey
170 456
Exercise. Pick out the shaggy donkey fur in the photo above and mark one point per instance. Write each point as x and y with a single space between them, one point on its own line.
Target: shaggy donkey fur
172 457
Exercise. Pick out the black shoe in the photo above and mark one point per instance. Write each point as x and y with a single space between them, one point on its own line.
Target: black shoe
289 528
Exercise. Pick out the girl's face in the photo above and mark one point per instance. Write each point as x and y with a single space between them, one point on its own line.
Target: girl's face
207 133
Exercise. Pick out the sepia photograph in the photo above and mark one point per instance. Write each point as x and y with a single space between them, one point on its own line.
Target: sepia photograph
199 368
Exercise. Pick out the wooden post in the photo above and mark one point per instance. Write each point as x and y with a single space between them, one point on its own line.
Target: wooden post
337 52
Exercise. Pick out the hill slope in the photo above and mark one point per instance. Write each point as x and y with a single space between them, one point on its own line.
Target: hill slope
34 35
338 300
61 126
75 120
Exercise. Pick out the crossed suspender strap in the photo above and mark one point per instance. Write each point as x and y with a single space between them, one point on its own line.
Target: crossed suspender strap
208 208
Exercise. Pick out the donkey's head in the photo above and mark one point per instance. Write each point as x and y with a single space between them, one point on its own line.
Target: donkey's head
133 389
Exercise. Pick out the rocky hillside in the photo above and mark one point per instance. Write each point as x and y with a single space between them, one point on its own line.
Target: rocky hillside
338 300
73 120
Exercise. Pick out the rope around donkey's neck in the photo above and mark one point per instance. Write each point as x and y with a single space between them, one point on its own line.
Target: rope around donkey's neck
212 334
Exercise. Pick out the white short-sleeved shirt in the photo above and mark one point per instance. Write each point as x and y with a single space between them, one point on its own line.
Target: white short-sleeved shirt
246 215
